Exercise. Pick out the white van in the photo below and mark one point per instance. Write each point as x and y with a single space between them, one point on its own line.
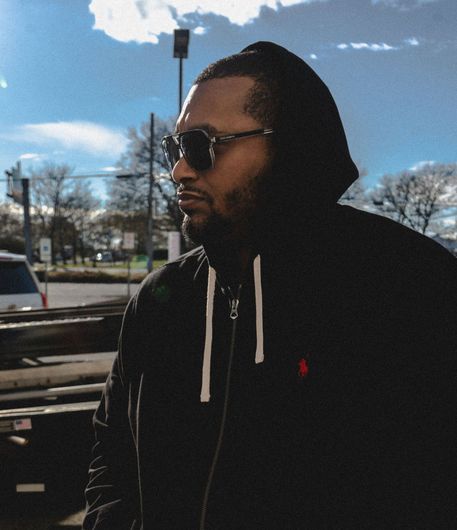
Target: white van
19 287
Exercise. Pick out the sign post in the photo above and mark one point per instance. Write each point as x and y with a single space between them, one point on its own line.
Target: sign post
128 243
45 255
174 245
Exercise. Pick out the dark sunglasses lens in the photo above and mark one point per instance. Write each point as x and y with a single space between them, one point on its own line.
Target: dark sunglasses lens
195 146
171 151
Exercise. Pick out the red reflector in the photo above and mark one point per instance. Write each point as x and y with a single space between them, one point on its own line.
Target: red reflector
44 300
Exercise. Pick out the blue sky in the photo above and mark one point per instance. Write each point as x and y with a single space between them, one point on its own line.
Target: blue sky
75 74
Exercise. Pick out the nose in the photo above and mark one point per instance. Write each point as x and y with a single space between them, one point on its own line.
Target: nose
182 171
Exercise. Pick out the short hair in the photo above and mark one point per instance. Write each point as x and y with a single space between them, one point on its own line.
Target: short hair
262 102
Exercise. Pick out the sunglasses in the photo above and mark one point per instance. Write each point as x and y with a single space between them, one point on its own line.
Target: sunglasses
197 146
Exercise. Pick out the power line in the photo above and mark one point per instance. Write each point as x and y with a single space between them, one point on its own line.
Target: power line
95 175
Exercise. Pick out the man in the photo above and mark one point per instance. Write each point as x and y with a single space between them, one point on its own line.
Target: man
297 370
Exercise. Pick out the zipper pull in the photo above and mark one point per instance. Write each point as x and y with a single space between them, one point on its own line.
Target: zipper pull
234 302
234 308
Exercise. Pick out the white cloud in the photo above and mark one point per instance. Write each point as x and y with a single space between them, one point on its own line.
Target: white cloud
144 20
78 135
423 163
412 41
31 156
3 82
110 168
403 5
375 47
372 47
200 30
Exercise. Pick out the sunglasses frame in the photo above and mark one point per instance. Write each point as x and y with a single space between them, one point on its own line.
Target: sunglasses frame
212 140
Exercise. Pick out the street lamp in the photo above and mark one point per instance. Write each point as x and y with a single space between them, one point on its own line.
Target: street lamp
181 45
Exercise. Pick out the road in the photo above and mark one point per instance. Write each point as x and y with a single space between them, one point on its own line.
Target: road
74 294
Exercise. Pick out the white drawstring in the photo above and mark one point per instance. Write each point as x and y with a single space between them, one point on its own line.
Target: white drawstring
206 369
258 310
259 356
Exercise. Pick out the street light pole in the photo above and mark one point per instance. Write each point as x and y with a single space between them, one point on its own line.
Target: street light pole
180 49
180 84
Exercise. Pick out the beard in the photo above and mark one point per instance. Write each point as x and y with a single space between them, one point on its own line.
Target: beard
240 225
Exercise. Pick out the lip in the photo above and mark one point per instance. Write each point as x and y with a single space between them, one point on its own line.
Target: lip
189 199
186 196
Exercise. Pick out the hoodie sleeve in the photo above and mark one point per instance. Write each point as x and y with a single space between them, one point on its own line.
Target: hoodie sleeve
112 497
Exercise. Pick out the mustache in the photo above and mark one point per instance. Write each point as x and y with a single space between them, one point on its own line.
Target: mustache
194 189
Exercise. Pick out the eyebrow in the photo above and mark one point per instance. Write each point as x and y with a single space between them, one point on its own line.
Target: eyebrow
210 129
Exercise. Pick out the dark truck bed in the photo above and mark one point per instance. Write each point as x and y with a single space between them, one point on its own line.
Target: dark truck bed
53 366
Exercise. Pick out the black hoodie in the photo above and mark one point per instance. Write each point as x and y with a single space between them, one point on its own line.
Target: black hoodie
326 401
313 162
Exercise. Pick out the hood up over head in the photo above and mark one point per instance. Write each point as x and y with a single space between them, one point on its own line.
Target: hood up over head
312 166
311 169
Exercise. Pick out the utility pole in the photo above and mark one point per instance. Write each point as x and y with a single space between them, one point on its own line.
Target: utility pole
27 231
18 190
149 241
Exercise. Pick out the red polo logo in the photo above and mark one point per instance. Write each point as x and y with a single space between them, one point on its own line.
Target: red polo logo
303 368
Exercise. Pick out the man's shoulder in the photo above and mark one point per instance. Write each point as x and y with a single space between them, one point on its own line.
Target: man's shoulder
161 302
177 276
185 264
383 236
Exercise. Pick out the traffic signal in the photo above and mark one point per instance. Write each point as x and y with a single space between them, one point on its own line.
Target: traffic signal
14 185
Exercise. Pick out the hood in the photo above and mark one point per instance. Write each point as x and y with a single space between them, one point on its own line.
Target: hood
312 166
311 170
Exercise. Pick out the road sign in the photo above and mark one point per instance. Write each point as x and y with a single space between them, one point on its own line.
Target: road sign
129 241
174 245
45 249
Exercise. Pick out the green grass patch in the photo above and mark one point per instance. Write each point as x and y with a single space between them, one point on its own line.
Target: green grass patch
102 274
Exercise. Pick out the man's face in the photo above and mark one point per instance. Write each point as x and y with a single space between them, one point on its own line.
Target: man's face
220 202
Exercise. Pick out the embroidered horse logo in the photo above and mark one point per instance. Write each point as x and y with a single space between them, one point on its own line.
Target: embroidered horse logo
303 368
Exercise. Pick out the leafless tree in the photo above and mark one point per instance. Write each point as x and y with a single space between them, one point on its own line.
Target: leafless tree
416 197
129 195
356 194
80 204
49 188
11 228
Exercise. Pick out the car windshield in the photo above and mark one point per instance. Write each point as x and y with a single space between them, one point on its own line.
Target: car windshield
15 278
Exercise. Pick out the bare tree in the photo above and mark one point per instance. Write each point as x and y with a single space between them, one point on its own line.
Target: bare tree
130 194
80 204
416 197
49 188
356 194
11 232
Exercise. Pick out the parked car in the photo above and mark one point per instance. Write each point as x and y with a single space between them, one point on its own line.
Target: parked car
103 257
19 286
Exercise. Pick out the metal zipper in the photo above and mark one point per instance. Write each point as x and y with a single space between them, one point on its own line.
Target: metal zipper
233 302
